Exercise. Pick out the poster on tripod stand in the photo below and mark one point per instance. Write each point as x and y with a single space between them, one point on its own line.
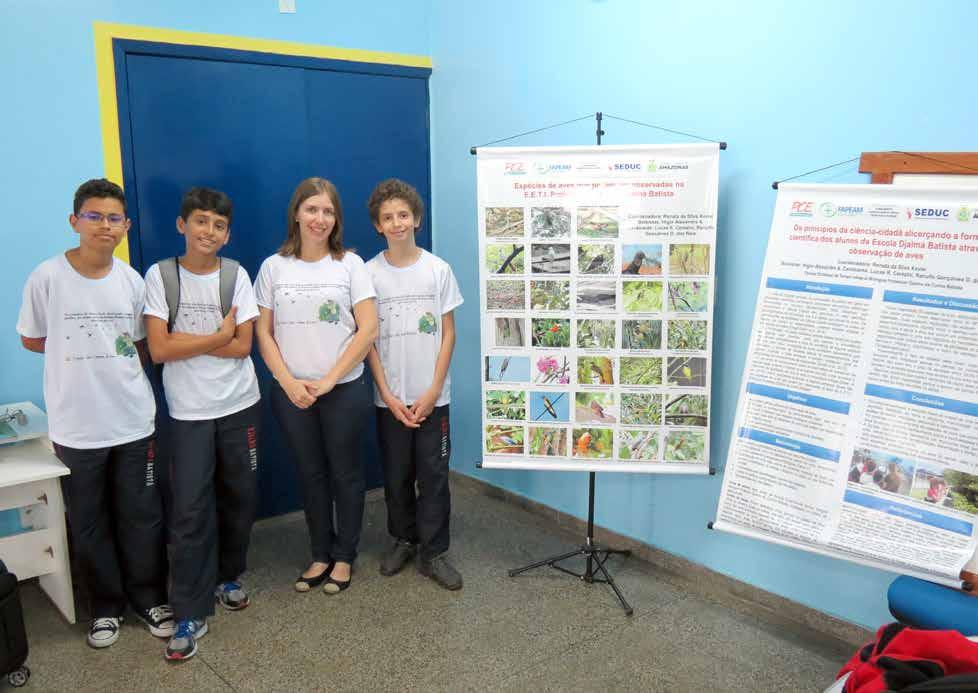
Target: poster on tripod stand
597 292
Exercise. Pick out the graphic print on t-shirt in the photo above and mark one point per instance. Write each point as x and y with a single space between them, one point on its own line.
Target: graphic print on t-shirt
303 304
406 316
427 323
101 335
329 312
199 318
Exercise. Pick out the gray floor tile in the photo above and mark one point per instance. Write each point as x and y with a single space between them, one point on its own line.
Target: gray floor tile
542 630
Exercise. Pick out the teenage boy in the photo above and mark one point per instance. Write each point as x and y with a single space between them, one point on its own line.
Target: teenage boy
199 313
83 310
416 294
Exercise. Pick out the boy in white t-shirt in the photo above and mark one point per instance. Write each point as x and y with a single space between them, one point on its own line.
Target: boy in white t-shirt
83 310
416 294
199 313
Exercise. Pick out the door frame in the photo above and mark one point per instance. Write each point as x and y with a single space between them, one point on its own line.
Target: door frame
114 42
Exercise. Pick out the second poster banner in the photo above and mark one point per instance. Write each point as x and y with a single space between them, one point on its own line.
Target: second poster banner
597 291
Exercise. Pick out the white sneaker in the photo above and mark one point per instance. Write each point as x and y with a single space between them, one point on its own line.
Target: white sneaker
104 631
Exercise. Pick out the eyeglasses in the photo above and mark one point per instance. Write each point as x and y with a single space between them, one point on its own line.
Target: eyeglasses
98 218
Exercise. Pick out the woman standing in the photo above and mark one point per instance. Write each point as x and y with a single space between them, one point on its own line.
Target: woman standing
317 322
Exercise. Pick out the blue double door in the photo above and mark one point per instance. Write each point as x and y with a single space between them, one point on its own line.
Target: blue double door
254 125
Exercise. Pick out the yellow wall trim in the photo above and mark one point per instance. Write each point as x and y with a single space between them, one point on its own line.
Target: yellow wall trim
105 69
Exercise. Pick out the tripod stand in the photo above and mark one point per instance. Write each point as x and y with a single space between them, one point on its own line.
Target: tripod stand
594 554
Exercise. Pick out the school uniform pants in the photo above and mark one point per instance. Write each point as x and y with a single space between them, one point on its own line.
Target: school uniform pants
214 484
419 455
325 444
115 511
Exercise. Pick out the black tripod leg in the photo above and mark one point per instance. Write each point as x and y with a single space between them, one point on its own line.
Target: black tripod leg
611 581
545 561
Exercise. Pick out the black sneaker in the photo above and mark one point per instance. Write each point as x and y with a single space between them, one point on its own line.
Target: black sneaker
397 557
442 572
159 620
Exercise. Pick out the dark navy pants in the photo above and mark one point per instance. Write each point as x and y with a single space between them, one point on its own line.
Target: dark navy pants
115 511
325 444
419 455
214 482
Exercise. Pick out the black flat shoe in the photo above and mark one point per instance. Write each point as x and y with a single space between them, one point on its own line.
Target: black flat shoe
304 584
334 586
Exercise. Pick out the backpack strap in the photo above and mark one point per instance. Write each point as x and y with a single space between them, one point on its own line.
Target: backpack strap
228 280
170 274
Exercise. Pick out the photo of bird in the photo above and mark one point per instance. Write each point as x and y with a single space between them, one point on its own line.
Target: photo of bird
549 406
544 406
641 258
596 263
636 264
596 375
597 409
583 444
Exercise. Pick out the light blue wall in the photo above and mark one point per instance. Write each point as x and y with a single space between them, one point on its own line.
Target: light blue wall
791 86
51 135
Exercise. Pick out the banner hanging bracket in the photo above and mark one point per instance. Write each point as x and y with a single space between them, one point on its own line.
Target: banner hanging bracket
599 132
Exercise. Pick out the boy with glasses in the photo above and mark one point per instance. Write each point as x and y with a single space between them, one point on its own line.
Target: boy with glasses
83 310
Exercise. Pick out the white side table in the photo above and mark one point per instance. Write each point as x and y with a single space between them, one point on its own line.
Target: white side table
29 475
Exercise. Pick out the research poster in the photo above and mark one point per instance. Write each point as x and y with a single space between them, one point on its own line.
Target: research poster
856 431
597 291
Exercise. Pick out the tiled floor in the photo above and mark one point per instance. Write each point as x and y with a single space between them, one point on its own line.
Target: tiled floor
540 631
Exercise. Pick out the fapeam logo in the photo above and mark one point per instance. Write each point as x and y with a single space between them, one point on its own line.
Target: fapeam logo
827 209
964 214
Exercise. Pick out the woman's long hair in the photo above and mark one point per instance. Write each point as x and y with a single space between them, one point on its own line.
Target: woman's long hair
292 247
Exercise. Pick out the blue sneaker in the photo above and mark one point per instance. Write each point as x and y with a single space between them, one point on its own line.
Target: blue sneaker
231 595
183 644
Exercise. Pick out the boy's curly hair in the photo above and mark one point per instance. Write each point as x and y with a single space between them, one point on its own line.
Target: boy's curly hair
395 189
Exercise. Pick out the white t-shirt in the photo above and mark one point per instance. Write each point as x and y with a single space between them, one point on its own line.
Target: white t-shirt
204 387
96 392
313 304
410 304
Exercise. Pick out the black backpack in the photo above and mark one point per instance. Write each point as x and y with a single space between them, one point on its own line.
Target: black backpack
13 635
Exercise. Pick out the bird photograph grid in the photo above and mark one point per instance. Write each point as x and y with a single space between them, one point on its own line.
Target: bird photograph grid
608 331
